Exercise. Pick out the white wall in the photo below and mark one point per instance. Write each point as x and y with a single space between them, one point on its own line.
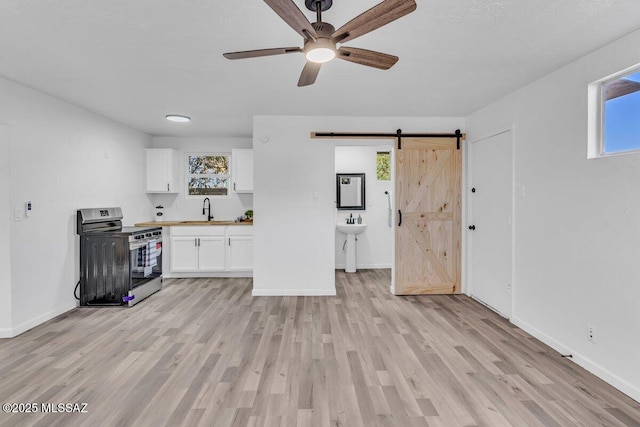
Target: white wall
5 233
294 233
62 158
577 229
373 249
177 206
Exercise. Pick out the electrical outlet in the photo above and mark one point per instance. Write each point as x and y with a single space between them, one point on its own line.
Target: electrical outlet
591 334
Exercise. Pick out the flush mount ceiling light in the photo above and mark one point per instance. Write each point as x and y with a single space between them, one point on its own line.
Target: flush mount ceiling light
321 38
178 118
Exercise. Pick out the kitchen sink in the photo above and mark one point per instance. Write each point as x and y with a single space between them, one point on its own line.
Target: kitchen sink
200 222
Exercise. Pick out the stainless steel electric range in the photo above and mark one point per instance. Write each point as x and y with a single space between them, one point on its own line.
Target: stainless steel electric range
118 265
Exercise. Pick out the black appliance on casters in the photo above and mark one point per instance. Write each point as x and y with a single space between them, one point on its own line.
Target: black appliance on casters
118 265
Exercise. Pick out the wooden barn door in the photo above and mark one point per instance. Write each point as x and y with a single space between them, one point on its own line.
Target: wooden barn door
428 203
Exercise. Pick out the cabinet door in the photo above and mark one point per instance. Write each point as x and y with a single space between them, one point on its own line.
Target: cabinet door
161 170
242 170
184 253
240 253
212 253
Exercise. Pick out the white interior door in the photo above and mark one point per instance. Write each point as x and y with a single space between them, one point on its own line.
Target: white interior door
491 214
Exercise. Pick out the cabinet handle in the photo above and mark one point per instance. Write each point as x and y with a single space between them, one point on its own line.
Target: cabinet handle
198 242
229 241
234 186
168 187
195 241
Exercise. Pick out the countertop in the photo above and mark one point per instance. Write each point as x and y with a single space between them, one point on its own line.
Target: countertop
188 223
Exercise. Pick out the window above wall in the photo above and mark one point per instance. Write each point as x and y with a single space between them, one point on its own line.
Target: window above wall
619 114
207 174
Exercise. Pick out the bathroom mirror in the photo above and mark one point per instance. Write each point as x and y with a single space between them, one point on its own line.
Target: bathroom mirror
350 191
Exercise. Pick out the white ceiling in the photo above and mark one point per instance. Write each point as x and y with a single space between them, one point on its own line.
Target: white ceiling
137 60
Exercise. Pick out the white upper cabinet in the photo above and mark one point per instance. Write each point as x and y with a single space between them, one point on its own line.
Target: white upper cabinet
242 170
163 166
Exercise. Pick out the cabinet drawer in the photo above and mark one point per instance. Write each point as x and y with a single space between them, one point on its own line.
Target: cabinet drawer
240 230
194 230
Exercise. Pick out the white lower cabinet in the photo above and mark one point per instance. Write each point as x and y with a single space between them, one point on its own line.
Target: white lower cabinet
212 253
239 248
184 253
211 249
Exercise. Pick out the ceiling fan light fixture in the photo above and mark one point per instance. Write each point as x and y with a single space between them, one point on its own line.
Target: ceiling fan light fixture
320 55
177 118
321 50
320 38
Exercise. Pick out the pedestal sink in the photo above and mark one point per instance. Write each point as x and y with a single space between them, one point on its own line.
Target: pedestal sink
351 230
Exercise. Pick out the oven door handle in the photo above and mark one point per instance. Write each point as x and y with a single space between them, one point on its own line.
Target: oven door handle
136 245
140 243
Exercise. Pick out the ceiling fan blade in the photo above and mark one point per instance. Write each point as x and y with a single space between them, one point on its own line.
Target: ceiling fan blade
366 57
292 15
619 88
309 74
261 52
374 18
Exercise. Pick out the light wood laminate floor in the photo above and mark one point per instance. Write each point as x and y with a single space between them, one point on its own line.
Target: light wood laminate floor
204 352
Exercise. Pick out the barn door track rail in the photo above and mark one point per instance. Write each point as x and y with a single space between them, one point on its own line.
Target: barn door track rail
380 135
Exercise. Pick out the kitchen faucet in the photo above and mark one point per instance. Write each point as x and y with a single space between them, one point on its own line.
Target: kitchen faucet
207 206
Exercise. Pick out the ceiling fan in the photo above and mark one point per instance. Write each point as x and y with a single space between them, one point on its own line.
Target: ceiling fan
321 38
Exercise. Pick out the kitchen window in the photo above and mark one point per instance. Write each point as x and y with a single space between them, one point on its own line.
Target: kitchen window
618 114
208 174
383 166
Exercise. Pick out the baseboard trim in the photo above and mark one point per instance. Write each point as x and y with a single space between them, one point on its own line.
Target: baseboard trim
177 275
293 292
597 370
30 324
364 266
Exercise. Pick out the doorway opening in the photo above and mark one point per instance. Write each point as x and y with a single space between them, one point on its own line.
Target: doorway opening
428 175
372 248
